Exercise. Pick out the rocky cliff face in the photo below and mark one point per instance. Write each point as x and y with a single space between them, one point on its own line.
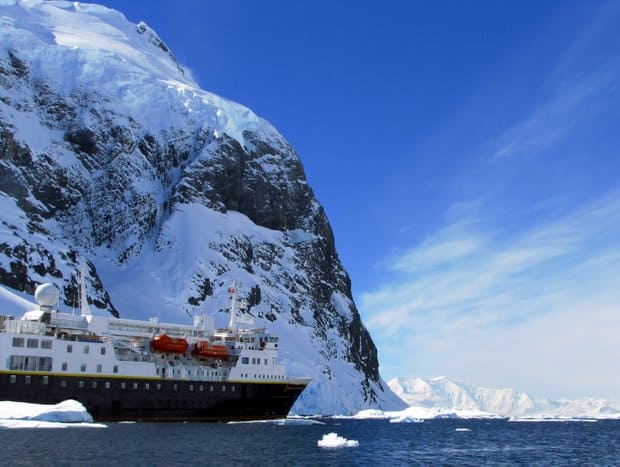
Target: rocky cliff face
113 159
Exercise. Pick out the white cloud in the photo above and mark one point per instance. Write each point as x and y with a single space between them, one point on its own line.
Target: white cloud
515 307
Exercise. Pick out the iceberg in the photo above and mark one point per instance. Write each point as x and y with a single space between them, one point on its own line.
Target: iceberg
69 413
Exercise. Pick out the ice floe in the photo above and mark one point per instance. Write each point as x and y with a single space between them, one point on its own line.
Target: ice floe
65 414
333 440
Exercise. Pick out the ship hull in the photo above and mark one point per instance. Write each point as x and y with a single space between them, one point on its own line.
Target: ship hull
149 399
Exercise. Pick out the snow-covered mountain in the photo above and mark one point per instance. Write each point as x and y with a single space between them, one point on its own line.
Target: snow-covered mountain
446 394
113 159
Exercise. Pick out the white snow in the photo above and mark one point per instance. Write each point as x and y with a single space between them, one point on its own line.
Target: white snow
83 46
65 414
332 440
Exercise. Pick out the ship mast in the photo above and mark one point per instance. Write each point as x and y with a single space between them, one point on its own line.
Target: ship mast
233 312
84 308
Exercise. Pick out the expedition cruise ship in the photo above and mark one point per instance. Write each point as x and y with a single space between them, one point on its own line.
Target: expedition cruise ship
123 369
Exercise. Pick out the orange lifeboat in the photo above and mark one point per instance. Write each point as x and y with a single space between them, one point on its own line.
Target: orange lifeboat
165 343
204 349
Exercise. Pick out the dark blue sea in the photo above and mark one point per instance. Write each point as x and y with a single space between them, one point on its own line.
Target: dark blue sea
436 442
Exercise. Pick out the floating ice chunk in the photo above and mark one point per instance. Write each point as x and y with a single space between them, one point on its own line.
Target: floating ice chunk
462 429
406 419
68 411
294 421
332 440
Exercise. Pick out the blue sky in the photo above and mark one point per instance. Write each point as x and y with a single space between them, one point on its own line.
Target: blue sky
467 155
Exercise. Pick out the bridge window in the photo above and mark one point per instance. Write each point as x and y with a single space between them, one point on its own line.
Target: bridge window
46 344
32 343
18 342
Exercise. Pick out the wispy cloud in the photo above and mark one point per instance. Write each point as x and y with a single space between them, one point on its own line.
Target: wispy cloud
522 286
576 86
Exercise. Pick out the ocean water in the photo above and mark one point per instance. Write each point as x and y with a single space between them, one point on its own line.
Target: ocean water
435 442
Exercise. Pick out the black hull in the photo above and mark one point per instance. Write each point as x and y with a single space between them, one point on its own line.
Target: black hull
117 398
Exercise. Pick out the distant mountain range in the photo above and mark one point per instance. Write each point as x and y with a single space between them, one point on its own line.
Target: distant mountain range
449 395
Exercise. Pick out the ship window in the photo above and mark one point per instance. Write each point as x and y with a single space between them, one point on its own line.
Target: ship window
46 379
115 369
46 344
94 385
83 367
63 383
201 388
211 388
233 389
64 366
28 379
245 360
98 368
265 362
18 342
107 385
102 350
147 386
32 343
81 385
223 388
135 385
175 387
191 387
159 386
86 349
69 348
45 363
123 385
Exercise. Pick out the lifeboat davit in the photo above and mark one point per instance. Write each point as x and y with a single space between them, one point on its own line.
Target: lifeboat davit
204 349
165 343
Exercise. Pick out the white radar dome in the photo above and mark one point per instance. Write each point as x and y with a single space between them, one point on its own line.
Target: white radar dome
46 295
